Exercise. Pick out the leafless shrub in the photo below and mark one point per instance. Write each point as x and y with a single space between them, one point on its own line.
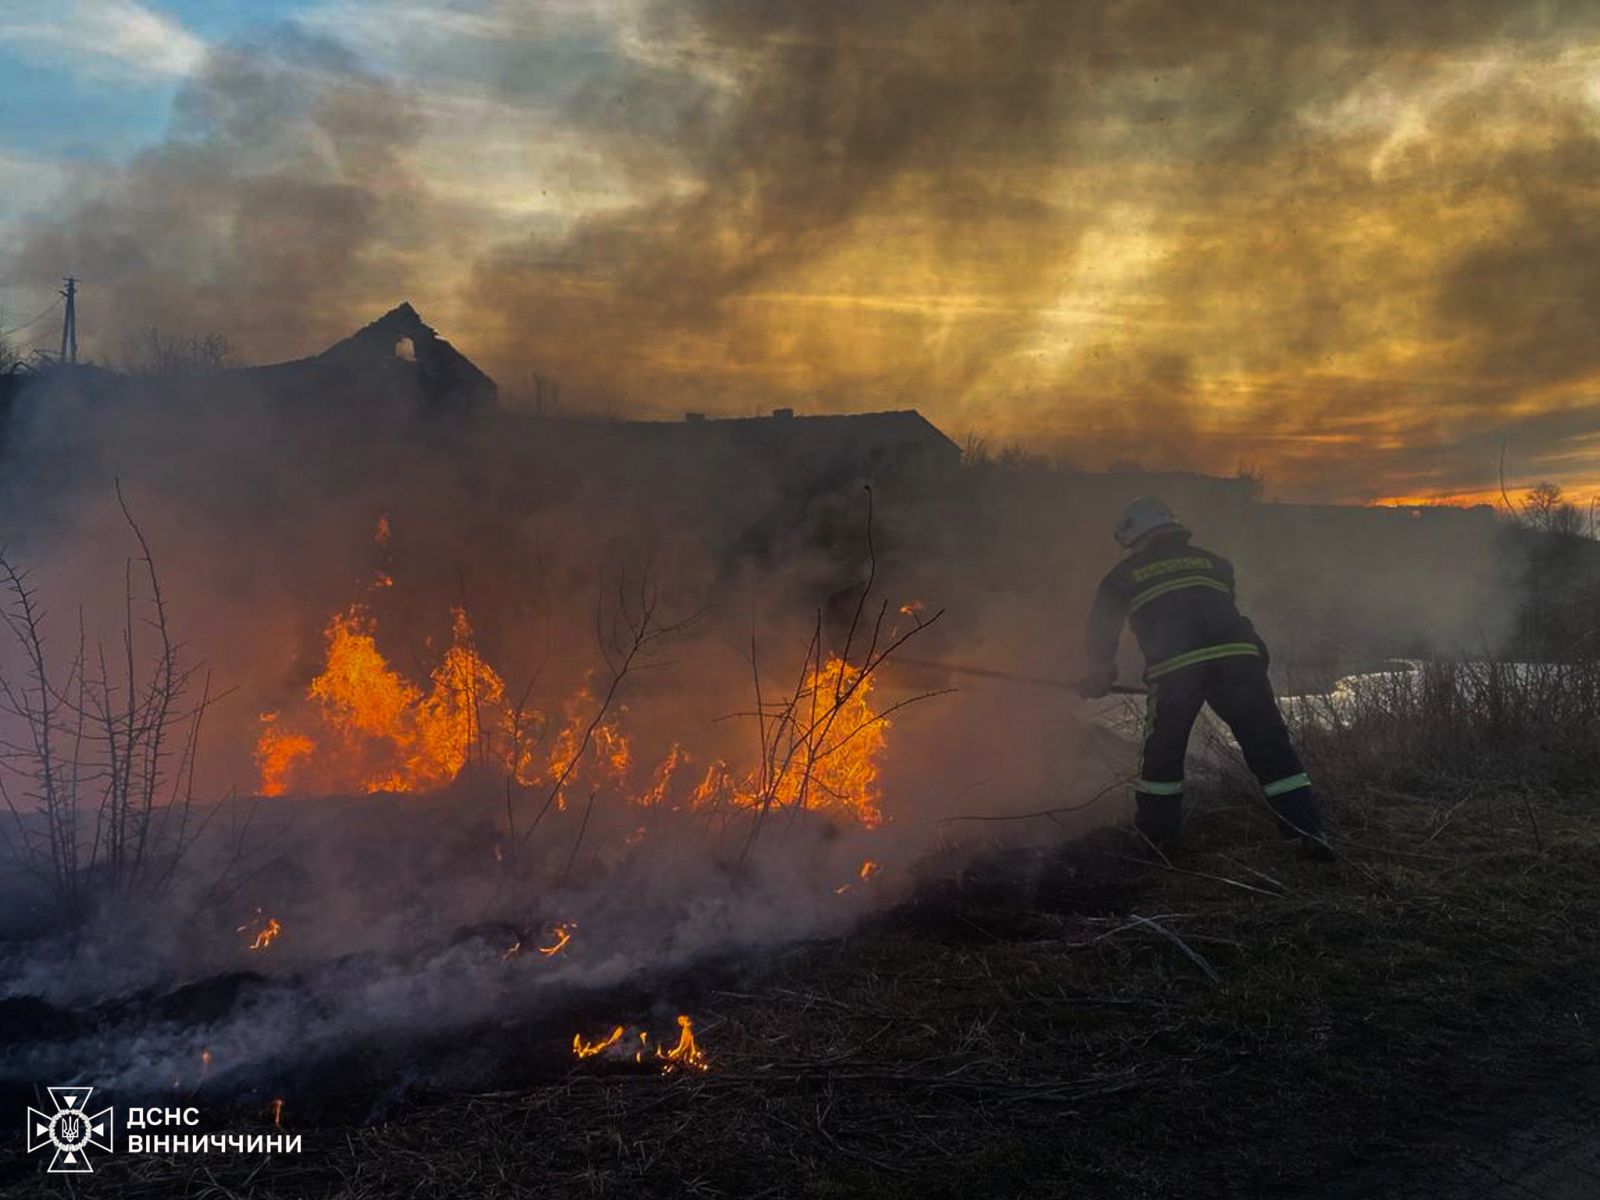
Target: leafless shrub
807 731
97 751
628 630
818 719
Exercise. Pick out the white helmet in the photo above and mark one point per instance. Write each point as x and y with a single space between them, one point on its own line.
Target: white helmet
1142 516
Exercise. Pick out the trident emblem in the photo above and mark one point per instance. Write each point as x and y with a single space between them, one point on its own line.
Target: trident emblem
71 1129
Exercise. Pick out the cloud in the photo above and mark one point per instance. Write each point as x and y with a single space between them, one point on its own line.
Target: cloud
282 204
1342 241
104 39
1150 232
397 28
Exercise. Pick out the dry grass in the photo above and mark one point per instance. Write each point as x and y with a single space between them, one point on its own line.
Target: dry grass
1093 1023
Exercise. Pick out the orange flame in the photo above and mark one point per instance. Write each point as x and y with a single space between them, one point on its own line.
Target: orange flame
607 756
386 735
685 1055
563 935
358 690
868 870
833 763
661 782
277 752
277 1113
840 768
366 727
261 929
585 1049
715 789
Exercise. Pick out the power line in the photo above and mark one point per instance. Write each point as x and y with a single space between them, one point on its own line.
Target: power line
34 320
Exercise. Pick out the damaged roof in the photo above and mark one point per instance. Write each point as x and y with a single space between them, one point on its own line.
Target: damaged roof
399 345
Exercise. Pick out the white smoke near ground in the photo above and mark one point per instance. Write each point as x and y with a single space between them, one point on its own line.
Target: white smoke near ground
399 915
351 968
287 196
410 916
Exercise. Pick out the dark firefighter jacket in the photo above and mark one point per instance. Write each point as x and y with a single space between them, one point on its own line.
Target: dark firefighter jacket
1178 599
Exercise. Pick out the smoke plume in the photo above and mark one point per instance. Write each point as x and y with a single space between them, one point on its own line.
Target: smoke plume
1341 243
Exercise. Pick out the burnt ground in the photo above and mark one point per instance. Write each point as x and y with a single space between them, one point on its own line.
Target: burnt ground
1417 1021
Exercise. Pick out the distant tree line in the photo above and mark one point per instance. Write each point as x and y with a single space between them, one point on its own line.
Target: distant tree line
156 352
1546 509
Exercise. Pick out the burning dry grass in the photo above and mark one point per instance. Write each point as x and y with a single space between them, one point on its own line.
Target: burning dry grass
363 727
1091 1021
376 731
1036 1024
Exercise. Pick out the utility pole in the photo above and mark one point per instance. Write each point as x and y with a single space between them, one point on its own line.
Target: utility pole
69 322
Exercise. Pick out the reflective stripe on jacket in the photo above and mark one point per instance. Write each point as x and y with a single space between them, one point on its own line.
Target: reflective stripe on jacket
1178 600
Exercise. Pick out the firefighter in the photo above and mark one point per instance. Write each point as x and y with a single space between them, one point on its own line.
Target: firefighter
1198 650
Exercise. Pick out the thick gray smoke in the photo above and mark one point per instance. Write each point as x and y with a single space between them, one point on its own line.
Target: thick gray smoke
1130 227
281 202
398 913
1204 237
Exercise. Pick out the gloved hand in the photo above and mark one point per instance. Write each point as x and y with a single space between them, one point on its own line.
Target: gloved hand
1096 682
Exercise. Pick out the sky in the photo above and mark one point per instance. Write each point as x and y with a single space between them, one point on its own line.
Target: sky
1348 245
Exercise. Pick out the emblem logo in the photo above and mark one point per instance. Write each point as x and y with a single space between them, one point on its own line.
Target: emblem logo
72 1129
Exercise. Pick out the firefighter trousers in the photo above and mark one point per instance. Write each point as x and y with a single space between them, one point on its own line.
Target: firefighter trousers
1238 691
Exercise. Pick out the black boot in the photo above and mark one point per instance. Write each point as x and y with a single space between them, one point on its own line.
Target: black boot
1159 818
1300 816
1317 849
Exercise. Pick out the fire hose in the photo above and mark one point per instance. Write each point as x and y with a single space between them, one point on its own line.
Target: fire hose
1071 685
